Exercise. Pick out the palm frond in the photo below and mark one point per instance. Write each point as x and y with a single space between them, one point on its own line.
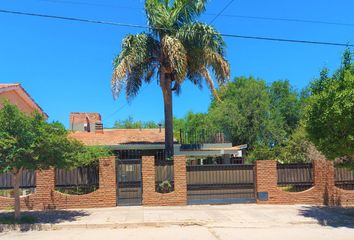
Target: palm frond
185 11
137 59
201 35
157 12
210 82
174 51
219 65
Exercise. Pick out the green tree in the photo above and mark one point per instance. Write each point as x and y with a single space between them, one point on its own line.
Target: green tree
285 101
245 113
130 123
29 142
177 48
330 114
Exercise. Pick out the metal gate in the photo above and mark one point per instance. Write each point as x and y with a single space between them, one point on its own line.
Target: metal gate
221 184
129 184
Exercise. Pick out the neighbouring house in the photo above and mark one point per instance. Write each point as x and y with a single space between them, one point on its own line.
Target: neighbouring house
17 95
201 148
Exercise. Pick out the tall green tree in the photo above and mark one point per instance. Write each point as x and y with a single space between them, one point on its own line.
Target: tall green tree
330 114
285 102
177 48
29 142
245 113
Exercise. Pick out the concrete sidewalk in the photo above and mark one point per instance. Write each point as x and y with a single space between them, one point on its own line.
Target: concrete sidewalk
238 215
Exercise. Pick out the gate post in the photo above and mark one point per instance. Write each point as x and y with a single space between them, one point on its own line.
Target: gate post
45 187
107 181
175 198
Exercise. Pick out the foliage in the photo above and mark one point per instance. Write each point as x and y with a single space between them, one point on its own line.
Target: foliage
245 113
297 148
165 187
130 123
330 114
286 103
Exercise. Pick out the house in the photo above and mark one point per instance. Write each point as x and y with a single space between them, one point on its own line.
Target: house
134 143
17 95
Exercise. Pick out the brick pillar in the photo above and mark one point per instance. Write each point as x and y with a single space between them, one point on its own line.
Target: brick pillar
266 178
180 178
153 198
45 186
108 182
148 178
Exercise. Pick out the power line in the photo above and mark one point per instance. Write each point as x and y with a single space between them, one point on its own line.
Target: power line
287 20
223 10
150 28
210 14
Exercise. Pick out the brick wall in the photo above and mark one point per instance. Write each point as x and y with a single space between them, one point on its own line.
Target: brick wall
105 196
175 198
45 196
266 181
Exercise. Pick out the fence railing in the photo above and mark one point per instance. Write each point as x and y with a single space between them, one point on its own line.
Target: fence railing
219 183
201 136
344 178
295 177
28 180
77 181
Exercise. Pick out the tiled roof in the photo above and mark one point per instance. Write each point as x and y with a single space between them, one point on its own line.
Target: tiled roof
111 137
6 85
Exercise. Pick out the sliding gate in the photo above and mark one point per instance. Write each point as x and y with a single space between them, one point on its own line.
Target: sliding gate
221 184
129 184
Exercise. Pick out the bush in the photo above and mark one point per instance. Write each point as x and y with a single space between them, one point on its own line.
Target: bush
165 187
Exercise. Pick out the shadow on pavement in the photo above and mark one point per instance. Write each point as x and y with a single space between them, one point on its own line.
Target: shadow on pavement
43 217
330 216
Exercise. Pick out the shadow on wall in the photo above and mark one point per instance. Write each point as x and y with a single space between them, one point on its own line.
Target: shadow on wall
44 217
330 216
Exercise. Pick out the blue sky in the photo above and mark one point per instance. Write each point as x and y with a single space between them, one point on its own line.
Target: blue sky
66 66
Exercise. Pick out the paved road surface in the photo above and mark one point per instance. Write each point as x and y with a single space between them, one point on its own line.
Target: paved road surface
206 222
190 233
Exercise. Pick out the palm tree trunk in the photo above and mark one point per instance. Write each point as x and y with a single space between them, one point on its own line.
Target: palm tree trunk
166 85
17 181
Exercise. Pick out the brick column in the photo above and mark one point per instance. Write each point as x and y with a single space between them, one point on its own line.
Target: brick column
108 182
153 198
266 178
45 186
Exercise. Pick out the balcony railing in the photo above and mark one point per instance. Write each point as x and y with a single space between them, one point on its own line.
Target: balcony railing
197 137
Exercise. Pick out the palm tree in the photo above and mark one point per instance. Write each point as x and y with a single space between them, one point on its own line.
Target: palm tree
176 48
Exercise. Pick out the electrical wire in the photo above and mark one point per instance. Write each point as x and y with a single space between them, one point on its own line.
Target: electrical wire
221 12
151 28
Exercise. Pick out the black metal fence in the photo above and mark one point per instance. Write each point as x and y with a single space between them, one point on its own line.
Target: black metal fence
28 180
295 177
138 154
344 178
201 136
129 184
164 175
77 181
220 184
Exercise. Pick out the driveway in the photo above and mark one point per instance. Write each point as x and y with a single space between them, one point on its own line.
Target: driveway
221 222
